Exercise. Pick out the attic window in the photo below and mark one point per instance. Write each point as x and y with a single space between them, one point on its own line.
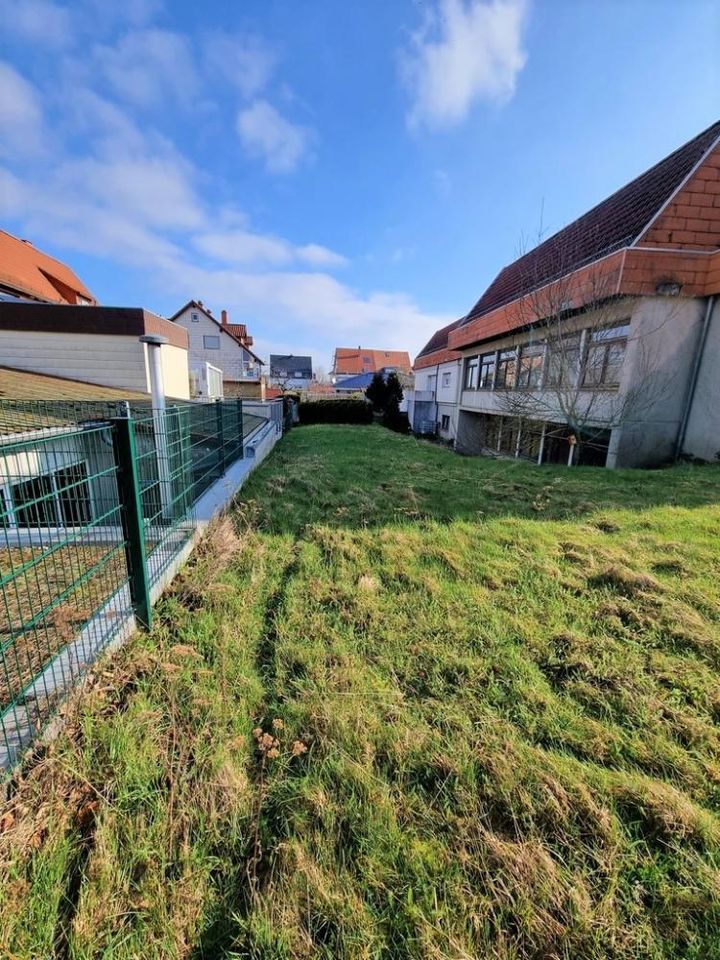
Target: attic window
195 317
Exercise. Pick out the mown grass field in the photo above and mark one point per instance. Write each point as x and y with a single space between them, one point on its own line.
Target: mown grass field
404 705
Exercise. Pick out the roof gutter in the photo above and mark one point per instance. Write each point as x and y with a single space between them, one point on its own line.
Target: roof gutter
697 360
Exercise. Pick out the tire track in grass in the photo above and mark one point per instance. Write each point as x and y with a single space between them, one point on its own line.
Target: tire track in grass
242 888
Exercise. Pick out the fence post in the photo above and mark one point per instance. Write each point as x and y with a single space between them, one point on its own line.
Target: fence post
241 426
220 435
132 517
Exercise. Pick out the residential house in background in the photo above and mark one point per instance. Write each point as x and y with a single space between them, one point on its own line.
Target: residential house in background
352 361
95 345
433 403
28 273
359 384
616 315
290 372
223 346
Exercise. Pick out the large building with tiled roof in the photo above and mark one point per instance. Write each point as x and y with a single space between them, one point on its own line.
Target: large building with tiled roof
632 286
29 273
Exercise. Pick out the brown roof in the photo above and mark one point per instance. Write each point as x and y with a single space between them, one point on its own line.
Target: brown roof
351 360
617 222
436 349
28 385
88 321
29 272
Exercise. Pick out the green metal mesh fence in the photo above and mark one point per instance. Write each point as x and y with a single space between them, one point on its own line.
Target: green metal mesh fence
72 560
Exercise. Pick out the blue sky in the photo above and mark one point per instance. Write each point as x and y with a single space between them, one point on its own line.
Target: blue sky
332 172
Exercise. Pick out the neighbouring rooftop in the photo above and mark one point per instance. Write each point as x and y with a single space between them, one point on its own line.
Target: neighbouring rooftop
28 272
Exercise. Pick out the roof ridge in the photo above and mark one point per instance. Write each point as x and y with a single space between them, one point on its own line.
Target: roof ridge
613 223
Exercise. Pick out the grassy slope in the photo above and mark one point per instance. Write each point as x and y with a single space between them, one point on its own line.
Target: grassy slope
427 707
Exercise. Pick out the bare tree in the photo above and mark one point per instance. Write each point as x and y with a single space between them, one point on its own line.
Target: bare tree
567 372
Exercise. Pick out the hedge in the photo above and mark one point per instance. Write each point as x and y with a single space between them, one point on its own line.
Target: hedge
342 410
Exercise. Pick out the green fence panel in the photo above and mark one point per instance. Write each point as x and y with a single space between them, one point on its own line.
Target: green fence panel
96 501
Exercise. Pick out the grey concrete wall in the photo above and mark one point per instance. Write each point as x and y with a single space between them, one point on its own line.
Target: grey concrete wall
470 433
663 339
702 438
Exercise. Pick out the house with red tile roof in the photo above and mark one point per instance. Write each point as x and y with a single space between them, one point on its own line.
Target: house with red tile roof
617 311
351 361
28 273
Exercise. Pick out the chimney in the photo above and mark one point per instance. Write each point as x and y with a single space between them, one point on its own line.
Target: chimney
223 317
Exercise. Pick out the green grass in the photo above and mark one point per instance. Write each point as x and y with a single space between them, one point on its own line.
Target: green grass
414 706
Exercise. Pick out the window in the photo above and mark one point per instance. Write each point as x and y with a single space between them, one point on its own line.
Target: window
431 381
446 379
445 422
195 317
487 371
492 432
563 361
211 342
605 355
509 433
4 512
530 370
530 440
506 365
73 494
35 503
471 373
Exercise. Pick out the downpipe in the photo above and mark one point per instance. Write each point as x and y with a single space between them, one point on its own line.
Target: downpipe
697 360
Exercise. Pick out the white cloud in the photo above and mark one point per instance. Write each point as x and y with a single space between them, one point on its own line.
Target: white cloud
246 247
146 67
243 60
267 134
135 12
154 190
468 50
21 120
117 190
315 305
318 256
38 21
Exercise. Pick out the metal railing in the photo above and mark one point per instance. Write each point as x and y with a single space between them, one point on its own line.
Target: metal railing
96 504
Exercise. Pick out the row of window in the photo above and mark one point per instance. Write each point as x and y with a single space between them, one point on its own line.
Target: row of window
542 442
591 358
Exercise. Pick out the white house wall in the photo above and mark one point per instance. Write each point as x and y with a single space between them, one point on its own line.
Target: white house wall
230 357
108 360
175 370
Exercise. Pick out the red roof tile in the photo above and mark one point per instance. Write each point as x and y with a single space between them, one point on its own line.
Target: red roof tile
353 360
615 223
29 272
